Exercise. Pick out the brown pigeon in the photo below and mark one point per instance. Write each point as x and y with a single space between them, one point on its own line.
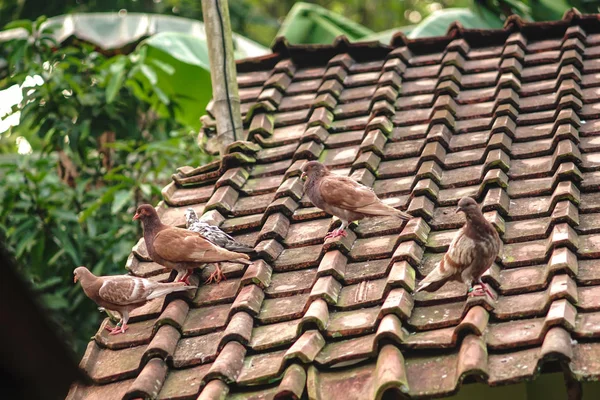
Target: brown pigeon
343 197
122 293
471 253
181 249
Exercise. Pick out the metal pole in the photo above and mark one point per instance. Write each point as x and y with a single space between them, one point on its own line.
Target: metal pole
223 74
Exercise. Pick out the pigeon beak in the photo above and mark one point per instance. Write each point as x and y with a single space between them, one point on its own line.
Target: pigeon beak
75 279
458 209
136 216
303 176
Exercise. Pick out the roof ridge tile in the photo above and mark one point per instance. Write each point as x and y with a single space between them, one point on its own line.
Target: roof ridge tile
163 343
390 372
306 347
150 380
228 364
215 389
317 313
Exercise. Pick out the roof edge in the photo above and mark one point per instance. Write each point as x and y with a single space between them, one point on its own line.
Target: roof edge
282 49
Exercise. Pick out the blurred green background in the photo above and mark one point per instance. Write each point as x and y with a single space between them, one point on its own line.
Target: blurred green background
100 103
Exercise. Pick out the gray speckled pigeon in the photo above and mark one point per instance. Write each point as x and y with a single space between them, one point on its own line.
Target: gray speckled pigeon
214 233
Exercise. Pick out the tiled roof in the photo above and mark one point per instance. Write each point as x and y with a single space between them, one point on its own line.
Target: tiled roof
511 117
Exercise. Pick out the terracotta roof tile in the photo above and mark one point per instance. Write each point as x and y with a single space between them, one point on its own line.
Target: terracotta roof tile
507 118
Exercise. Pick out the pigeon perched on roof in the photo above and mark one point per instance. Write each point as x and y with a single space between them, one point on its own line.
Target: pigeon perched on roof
122 293
343 197
471 252
213 233
181 249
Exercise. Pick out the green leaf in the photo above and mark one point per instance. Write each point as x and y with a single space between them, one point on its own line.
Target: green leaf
38 22
121 199
25 242
65 241
88 99
146 189
311 23
168 69
93 207
21 23
53 281
161 95
115 82
56 256
437 23
64 215
184 48
187 78
149 73
55 301
120 251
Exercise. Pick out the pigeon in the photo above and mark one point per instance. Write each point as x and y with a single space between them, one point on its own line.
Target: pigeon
343 197
122 293
471 253
181 249
213 233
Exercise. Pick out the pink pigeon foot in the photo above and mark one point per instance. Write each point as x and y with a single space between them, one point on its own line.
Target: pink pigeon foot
481 290
487 289
216 276
118 329
115 330
476 291
185 279
336 233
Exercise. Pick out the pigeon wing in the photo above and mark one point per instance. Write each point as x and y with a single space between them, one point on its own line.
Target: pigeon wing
181 245
345 193
458 257
217 236
461 251
125 290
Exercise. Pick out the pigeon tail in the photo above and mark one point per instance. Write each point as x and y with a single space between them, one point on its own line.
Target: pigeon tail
242 261
430 286
239 248
166 288
382 209
402 215
436 278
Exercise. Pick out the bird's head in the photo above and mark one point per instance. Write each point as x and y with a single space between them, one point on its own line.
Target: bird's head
144 212
190 214
467 205
79 273
313 169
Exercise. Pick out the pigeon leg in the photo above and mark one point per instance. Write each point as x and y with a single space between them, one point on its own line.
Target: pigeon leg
117 326
108 328
341 231
216 276
476 291
180 276
122 325
486 289
185 280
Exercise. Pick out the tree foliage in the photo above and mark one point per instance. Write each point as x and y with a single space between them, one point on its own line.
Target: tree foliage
98 150
258 20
